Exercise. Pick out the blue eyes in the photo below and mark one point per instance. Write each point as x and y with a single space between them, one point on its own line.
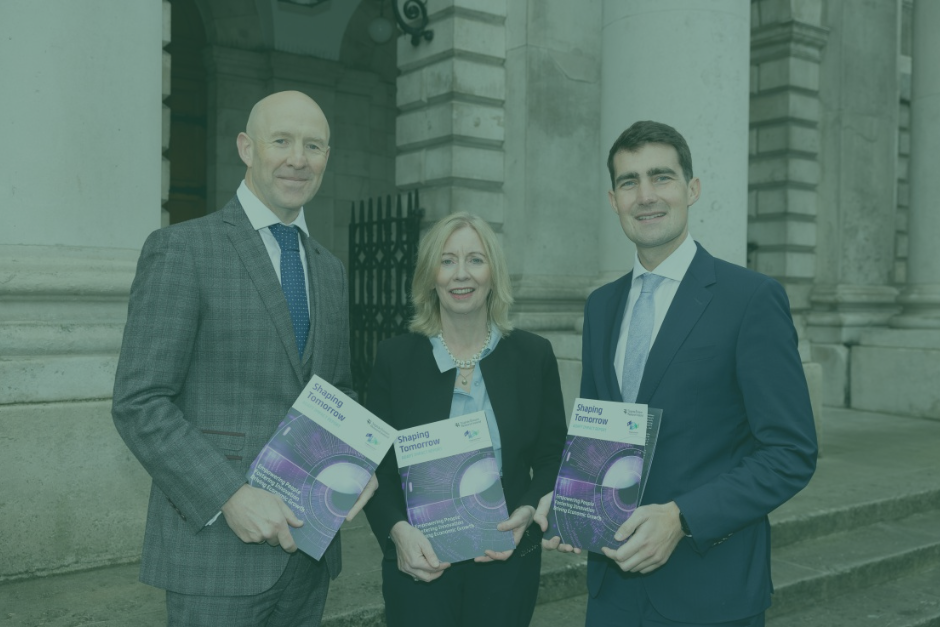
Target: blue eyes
449 261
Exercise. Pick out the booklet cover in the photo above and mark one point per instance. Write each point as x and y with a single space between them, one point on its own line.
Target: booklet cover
603 472
452 487
320 459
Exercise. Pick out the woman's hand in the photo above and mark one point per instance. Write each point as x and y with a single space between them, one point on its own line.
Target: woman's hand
415 555
517 523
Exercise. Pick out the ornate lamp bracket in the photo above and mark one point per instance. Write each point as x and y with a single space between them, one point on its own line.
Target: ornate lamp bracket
414 10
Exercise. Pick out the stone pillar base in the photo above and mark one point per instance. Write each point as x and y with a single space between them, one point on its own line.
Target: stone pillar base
909 360
921 308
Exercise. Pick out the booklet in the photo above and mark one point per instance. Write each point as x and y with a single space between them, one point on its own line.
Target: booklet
604 468
452 486
320 459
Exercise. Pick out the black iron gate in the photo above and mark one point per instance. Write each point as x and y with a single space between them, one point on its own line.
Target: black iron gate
382 251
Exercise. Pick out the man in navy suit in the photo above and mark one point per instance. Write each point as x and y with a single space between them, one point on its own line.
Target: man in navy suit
715 348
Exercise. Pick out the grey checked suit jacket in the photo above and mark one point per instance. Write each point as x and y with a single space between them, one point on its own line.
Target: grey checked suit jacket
208 369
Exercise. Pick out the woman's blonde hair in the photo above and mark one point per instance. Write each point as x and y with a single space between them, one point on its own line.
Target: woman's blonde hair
427 318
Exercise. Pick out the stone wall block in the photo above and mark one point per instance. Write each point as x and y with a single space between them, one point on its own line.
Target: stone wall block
443 200
410 90
479 80
901 245
455 35
165 127
772 138
807 11
471 121
478 164
61 502
167 65
782 232
409 169
790 264
834 359
801 201
165 180
167 21
774 11
914 393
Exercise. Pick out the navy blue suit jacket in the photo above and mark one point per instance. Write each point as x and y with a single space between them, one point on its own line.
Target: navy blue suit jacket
737 437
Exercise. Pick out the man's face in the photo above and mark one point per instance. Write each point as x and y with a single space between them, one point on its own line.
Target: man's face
285 147
652 199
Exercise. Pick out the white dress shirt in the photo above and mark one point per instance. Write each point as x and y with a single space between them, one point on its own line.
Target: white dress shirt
261 219
673 268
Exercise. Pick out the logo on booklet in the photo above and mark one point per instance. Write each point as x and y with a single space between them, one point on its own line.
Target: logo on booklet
371 439
471 434
632 426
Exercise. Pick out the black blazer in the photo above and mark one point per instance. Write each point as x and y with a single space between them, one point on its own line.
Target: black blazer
521 376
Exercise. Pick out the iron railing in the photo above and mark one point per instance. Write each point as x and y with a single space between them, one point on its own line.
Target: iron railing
383 246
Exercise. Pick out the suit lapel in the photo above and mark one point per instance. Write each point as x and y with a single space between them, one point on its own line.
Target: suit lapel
611 330
312 251
254 256
496 370
687 306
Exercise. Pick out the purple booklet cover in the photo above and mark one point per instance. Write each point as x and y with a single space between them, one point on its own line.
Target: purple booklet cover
603 472
452 487
319 461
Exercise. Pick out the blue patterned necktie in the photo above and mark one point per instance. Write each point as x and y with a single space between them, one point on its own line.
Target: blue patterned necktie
292 282
638 338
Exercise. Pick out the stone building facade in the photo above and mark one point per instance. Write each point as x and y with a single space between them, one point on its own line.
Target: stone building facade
812 126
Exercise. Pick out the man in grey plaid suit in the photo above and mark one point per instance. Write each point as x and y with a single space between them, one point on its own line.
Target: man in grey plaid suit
209 366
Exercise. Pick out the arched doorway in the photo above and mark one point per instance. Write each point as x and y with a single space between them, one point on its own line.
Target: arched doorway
187 103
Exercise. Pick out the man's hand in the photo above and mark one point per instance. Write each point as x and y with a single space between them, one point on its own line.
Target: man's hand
541 517
367 493
257 516
415 555
517 523
653 532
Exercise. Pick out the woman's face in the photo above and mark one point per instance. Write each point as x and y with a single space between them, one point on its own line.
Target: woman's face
463 277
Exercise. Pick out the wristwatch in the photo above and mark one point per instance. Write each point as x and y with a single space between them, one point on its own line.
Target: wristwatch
685 526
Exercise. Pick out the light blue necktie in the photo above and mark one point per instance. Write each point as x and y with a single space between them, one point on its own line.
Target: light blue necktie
292 282
638 338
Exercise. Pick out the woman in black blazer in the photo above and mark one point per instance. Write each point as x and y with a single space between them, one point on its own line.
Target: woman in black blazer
461 358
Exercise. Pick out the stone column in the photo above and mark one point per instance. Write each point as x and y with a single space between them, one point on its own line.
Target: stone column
921 297
857 192
80 189
684 63
552 178
787 41
451 95
896 370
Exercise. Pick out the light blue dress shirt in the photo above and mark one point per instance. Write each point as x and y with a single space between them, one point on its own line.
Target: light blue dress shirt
476 399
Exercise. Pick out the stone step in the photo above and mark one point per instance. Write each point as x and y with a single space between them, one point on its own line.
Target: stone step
909 601
788 529
895 591
817 570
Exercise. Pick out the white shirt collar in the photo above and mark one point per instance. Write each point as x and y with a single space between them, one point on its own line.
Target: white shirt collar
674 266
259 215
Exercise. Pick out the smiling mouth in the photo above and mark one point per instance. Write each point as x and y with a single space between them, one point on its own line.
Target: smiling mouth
652 216
460 291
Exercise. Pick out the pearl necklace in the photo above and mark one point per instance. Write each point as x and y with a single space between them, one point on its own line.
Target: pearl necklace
467 363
